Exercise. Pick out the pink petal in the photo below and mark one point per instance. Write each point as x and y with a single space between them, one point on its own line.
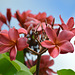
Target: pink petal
22 30
50 19
65 35
70 23
73 30
4 48
33 19
22 43
66 47
4 31
42 26
47 44
13 34
19 17
44 60
3 18
61 19
28 23
5 39
13 53
51 71
39 28
1 24
54 52
51 34
45 57
64 26
9 14
49 63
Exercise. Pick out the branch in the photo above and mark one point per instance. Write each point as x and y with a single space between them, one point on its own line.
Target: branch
33 51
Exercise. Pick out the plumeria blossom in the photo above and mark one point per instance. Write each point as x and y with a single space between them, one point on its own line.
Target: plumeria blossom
45 64
41 16
50 20
11 41
22 18
69 25
58 44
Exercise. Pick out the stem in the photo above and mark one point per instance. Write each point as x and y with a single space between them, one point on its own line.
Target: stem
38 64
43 51
33 51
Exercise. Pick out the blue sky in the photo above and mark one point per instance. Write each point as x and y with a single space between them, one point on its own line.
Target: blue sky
52 7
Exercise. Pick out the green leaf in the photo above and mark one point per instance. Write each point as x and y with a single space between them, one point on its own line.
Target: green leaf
21 72
8 67
66 72
20 56
33 69
1 56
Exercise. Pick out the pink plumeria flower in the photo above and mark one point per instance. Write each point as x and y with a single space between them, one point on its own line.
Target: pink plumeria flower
58 44
69 25
10 41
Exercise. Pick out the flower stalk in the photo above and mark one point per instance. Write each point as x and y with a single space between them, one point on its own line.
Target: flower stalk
38 64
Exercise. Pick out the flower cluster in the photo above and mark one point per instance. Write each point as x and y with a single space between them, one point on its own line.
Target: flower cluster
41 33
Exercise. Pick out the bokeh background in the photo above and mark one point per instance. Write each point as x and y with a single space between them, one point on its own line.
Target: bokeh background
65 8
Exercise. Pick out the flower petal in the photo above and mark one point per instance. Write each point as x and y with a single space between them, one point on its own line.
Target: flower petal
50 19
1 24
4 31
51 71
54 52
73 30
51 34
65 35
4 48
9 15
47 44
13 53
5 39
19 17
22 30
13 34
70 23
50 63
3 18
61 19
66 47
22 43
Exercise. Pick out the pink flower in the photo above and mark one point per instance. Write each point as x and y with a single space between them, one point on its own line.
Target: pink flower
10 40
50 20
22 18
41 17
69 25
45 65
58 44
